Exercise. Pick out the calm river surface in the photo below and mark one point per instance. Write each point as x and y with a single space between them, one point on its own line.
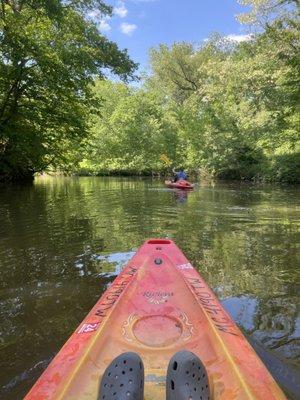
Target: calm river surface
62 240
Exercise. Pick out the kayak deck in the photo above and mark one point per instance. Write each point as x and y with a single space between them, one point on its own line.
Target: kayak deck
181 184
157 306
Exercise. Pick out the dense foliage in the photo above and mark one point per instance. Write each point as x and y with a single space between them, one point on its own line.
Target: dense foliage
225 109
50 52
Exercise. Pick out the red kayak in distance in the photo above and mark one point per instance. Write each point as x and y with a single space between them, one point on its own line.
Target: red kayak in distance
181 184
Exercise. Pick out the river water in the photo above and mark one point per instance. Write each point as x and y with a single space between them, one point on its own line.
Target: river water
63 240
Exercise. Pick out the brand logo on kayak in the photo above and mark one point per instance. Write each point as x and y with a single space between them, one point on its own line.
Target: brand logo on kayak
157 297
210 305
87 328
185 266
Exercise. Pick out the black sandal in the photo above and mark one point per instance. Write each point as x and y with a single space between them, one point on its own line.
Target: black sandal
187 378
123 379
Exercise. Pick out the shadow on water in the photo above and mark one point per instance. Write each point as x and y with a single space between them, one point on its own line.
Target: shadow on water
62 241
285 373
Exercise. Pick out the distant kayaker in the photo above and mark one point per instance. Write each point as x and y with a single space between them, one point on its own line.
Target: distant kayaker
179 175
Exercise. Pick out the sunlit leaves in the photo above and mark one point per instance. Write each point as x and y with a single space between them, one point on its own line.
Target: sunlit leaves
130 134
50 53
264 11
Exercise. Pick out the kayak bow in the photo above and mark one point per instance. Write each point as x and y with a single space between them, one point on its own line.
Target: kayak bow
157 306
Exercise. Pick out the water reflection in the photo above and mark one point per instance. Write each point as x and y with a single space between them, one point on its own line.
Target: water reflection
181 195
109 265
62 241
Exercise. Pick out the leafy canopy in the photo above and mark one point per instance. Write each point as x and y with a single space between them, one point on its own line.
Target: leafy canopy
50 52
227 109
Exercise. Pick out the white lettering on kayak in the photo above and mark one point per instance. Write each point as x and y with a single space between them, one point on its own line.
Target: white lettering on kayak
87 328
185 266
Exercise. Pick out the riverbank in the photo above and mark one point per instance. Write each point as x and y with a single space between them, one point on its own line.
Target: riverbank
280 169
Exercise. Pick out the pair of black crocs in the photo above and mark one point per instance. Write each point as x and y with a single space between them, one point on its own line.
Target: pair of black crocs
186 379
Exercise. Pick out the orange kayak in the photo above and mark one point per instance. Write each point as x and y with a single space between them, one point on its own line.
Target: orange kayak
156 307
181 184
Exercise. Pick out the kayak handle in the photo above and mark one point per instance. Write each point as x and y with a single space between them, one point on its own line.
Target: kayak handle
158 241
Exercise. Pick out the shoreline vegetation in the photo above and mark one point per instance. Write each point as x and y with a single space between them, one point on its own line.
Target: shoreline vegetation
221 108
280 170
194 177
